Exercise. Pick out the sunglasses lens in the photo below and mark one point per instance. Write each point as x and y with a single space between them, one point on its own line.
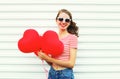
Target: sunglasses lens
67 20
60 19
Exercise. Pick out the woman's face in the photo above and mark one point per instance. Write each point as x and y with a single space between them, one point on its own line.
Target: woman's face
63 21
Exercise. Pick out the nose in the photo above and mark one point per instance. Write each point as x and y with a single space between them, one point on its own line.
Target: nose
63 21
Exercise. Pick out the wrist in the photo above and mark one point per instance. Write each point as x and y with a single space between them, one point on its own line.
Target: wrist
50 59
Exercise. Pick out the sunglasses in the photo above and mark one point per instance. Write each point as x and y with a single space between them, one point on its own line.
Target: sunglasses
66 20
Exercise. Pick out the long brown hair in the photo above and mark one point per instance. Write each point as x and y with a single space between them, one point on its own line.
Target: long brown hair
72 29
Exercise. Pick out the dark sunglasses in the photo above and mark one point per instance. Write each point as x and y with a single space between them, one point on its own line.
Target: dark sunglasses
66 20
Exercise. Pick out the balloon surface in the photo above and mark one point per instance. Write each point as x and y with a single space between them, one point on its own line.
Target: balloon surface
51 44
30 42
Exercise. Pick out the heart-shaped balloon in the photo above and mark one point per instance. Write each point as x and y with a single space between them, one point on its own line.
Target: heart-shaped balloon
30 42
51 44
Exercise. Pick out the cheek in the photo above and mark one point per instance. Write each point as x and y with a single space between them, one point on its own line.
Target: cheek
57 22
68 24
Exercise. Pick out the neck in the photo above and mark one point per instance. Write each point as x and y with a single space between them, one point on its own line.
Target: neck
63 33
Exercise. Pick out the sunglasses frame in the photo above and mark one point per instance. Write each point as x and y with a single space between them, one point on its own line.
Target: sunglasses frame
64 19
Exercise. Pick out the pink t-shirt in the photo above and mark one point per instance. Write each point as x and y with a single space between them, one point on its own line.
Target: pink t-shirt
70 41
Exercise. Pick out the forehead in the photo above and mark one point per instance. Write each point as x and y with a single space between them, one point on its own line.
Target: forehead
64 15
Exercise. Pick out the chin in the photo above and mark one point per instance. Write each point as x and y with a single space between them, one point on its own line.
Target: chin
63 28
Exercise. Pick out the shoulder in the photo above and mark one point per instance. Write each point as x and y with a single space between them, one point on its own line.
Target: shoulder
73 36
73 40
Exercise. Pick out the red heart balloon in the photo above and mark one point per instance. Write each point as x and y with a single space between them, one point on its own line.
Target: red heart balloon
30 42
51 44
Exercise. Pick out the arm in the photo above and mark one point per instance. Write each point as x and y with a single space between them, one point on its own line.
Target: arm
70 63
49 63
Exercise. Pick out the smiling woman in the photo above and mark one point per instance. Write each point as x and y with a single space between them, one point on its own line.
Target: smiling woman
63 64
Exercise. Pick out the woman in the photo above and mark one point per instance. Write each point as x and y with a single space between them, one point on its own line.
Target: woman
61 67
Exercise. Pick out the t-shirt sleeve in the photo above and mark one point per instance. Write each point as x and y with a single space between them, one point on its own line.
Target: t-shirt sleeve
73 41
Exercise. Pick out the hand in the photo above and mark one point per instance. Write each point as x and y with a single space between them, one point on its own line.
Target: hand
43 56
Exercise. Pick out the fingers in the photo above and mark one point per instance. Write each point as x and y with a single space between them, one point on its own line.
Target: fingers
40 55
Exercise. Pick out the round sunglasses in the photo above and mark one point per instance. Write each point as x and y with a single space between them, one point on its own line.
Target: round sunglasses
65 19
